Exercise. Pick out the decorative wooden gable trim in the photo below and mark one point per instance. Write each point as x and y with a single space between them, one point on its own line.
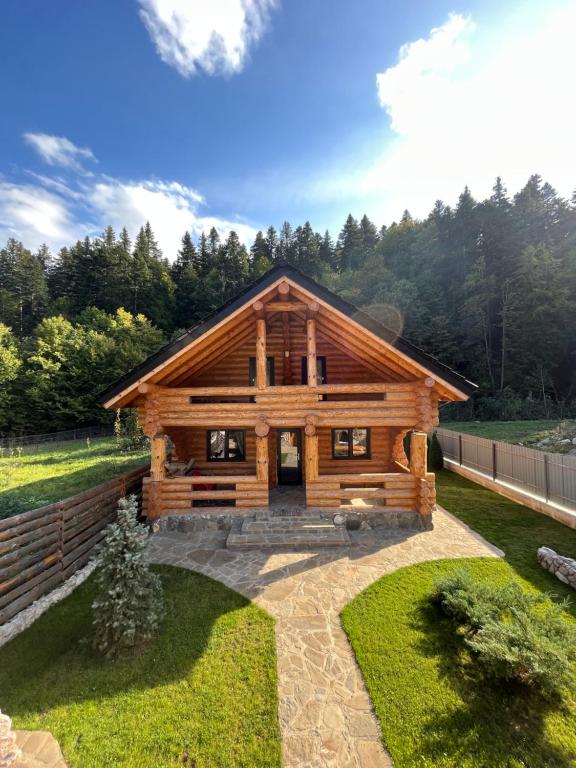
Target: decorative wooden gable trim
282 290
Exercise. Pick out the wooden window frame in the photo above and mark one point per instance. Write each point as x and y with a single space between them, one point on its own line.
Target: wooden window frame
350 455
304 369
226 457
270 371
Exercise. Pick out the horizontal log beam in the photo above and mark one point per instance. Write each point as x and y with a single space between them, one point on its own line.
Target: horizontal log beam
358 477
293 389
205 479
285 306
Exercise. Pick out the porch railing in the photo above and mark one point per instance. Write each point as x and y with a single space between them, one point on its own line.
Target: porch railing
391 490
177 495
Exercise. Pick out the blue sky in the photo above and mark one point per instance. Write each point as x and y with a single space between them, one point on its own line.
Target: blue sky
245 113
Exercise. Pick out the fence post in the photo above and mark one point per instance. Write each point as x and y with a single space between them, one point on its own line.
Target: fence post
61 539
546 478
460 449
494 469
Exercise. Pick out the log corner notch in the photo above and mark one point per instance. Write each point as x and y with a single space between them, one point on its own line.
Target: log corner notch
425 481
427 405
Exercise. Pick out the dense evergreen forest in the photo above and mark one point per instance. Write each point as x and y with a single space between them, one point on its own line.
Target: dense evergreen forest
488 287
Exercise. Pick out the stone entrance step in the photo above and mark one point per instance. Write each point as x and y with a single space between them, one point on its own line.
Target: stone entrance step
287 532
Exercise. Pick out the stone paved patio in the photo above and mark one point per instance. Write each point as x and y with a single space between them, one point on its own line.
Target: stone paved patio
325 714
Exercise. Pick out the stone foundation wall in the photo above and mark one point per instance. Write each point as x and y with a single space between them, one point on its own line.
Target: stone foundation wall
232 522
564 568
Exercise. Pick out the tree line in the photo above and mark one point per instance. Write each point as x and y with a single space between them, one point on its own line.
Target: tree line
489 287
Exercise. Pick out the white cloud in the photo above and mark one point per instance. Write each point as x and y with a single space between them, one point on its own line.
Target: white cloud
58 150
213 35
423 74
171 208
58 210
34 215
467 104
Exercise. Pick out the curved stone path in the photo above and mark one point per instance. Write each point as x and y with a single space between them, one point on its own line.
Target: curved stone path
325 714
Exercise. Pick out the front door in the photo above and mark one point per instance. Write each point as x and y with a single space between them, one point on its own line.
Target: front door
289 451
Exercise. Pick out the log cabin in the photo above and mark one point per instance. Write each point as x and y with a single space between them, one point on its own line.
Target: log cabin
288 384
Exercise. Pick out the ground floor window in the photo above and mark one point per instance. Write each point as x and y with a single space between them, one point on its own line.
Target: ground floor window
225 445
351 443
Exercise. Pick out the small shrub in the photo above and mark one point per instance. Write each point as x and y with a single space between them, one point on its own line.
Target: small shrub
513 634
128 607
435 455
128 431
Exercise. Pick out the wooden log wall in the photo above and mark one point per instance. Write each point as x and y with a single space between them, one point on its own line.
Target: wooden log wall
290 409
192 443
380 460
41 548
233 369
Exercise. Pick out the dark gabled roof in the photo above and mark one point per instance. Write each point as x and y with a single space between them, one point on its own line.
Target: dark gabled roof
284 270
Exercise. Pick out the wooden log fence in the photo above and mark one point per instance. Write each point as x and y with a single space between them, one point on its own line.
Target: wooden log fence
41 548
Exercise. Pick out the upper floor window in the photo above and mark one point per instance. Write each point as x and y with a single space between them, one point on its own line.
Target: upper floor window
351 443
225 445
320 370
269 372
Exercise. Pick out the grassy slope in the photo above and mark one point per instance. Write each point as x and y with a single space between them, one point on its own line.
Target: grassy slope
509 431
433 709
203 694
51 474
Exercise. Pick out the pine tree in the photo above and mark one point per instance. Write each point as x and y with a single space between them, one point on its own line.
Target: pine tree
185 276
369 237
23 283
272 244
285 249
128 607
327 252
349 246
259 261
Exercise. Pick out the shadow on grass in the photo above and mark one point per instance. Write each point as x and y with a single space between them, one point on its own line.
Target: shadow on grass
203 693
513 528
501 724
53 662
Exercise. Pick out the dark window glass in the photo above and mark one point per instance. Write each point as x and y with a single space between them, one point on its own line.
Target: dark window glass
351 443
320 370
269 372
340 443
225 445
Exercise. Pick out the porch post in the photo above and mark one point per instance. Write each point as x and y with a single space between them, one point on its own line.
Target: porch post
262 461
158 458
311 449
261 378
418 453
152 495
311 343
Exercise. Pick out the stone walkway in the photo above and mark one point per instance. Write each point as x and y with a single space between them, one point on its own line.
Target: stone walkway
39 750
325 714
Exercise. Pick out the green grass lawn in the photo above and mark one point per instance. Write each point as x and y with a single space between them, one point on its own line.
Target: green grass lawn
433 707
509 431
203 694
51 474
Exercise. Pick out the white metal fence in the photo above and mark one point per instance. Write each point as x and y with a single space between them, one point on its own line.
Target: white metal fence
552 476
